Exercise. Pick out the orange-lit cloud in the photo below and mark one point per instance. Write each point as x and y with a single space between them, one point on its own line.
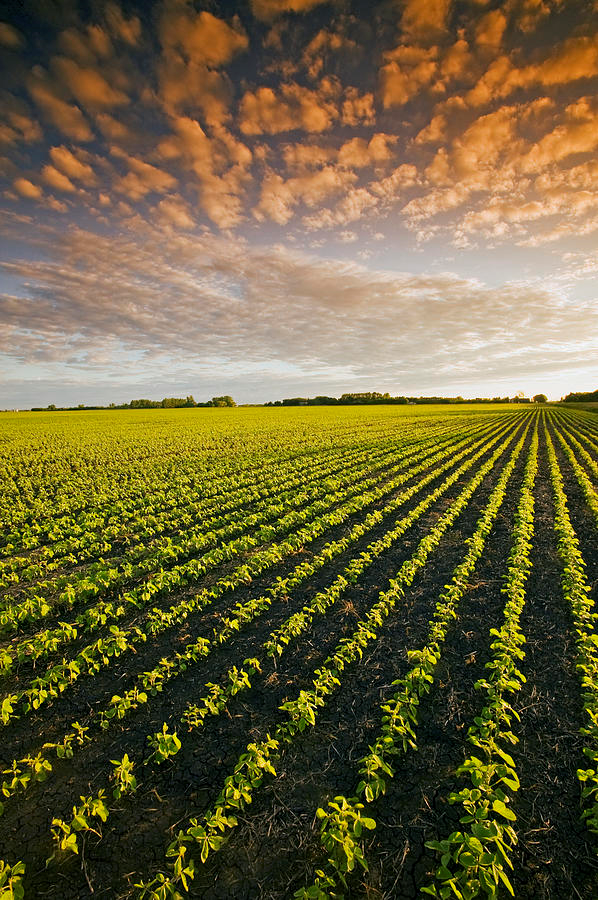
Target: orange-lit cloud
17 124
87 85
127 30
86 46
408 70
142 178
174 211
219 162
57 180
279 197
201 37
577 134
72 166
10 37
27 189
351 208
268 10
195 47
490 30
357 108
112 128
194 88
295 107
457 63
358 152
576 58
434 132
67 117
298 157
325 42
423 19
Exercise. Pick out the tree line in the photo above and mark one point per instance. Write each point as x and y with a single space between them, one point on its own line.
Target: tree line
166 403
582 397
374 397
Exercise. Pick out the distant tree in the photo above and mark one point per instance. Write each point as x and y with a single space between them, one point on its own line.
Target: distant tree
51 406
540 398
225 400
582 397
144 404
295 401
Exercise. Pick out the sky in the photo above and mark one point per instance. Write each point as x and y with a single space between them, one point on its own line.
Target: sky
273 198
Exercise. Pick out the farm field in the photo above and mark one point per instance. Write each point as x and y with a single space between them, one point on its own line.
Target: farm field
307 652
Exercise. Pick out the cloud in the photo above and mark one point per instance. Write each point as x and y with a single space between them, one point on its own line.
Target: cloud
457 63
10 37
408 70
483 142
264 111
499 214
268 10
358 153
194 48
322 45
72 165
57 180
526 14
577 134
191 87
357 108
581 177
490 30
279 197
113 129
298 157
220 163
127 30
87 85
142 178
389 188
201 37
574 59
17 123
568 229
351 208
65 116
423 20
174 211
434 202
86 45
27 189
434 132
219 305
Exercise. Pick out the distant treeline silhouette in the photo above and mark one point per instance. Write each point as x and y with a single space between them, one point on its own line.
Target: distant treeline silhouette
373 397
582 397
166 403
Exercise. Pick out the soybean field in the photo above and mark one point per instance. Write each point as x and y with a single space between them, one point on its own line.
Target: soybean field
299 653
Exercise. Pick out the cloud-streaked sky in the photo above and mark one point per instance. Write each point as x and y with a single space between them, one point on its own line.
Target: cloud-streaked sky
279 197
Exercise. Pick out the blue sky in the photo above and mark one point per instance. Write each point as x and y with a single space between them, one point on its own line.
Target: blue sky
282 197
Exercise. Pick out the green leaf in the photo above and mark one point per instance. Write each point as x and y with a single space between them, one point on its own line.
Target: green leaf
499 807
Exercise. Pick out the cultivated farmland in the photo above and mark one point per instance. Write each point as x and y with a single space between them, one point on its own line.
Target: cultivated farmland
266 653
